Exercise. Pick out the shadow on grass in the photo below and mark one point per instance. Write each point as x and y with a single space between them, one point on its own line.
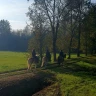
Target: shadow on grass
26 86
71 66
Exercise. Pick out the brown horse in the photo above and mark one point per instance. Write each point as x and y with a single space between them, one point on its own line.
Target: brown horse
31 61
60 60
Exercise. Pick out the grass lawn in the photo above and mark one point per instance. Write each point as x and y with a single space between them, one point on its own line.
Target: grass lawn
10 61
77 77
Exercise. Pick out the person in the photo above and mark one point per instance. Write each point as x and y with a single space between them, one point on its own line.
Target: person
61 58
48 55
33 53
61 54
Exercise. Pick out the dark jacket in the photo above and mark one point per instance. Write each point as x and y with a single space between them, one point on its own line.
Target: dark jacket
33 53
61 53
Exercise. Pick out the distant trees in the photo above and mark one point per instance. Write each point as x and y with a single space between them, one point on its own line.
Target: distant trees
5 27
5 33
13 40
19 40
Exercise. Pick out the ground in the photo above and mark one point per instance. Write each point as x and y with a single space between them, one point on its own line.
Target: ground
77 77
26 83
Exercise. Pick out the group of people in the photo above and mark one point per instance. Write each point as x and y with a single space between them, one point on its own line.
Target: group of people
34 59
46 58
48 55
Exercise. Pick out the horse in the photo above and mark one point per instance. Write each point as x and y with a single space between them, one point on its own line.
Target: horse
61 59
44 61
31 61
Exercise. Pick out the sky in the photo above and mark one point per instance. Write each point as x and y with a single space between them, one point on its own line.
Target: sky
15 12
93 1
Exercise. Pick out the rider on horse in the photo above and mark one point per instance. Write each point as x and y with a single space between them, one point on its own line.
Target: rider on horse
48 55
33 60
61 54
33 53
61 57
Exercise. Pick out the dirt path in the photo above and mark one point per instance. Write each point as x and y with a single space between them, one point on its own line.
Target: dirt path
52 90
23 82
14 82
10 79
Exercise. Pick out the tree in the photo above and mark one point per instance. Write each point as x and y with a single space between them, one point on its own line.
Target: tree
39 28
5 28
82 6
89 23
78 9
52 10
26 31
5 31
73 21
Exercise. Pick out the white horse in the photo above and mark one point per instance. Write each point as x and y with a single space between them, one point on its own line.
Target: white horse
44 62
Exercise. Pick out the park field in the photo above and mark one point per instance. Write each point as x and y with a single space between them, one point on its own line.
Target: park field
12 61
76 77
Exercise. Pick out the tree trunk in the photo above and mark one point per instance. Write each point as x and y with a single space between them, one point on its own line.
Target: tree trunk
78 48
79 32
54 48
40 50
70 48
86 44
71 37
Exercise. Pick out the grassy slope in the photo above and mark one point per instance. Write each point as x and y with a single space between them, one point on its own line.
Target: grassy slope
76 78
10 61
24 83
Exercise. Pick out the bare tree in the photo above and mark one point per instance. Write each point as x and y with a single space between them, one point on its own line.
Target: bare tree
78 9
39 28
53 10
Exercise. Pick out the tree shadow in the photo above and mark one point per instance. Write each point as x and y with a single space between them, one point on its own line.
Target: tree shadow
27 84
72 67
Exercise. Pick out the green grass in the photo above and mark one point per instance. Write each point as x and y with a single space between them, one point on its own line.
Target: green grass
10 61
72 85
77 77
